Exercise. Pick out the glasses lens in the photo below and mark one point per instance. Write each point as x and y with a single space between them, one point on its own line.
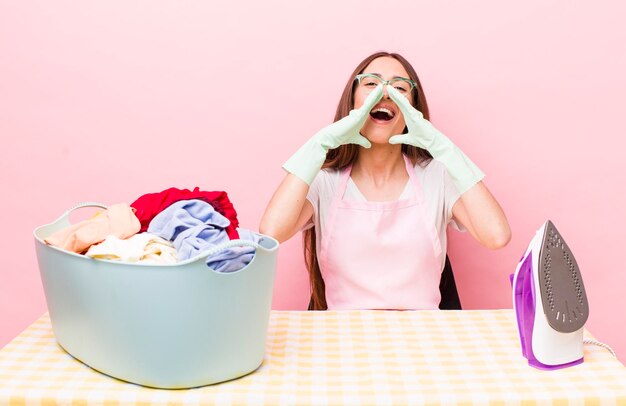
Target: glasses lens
401 85
369 82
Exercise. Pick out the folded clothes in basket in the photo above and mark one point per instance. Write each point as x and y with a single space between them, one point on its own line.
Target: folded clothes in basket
178 229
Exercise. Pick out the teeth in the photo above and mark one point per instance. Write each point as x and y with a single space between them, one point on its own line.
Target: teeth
383 110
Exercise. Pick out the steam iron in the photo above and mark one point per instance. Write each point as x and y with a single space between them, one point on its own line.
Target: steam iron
550 302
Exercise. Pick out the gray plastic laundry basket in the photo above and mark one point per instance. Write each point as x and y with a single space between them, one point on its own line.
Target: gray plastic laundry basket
164 326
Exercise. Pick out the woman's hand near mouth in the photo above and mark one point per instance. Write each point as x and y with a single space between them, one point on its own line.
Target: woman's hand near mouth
308 160
347 130
423 134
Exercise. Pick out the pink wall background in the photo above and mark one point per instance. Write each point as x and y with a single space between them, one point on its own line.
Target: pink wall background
106 101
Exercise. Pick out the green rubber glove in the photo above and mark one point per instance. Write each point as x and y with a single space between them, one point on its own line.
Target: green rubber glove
423 134
308 160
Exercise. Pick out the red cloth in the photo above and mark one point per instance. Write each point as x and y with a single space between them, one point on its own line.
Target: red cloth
151 204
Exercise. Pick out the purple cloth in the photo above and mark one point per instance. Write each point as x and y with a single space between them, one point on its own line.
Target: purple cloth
194 226
234 258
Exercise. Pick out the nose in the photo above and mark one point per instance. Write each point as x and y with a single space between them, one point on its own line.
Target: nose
385 92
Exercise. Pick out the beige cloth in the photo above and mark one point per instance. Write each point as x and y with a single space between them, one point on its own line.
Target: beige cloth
140 248
118 220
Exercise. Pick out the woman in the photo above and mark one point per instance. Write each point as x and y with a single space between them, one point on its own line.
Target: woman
375 216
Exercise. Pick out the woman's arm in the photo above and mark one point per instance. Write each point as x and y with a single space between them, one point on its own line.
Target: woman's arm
479 212
288 210
476 209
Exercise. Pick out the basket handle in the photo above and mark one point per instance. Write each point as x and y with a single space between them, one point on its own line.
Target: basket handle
65 216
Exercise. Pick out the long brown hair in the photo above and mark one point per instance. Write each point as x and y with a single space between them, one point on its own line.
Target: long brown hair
345 155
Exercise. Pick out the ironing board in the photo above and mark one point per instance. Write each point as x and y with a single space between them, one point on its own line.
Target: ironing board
350 357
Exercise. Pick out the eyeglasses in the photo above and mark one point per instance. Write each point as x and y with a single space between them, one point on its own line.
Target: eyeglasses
369 81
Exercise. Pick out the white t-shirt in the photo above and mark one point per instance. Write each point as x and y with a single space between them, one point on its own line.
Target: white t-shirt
439 195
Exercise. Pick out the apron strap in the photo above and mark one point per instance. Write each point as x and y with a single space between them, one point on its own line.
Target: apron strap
417 185
332 212
343 182
419 196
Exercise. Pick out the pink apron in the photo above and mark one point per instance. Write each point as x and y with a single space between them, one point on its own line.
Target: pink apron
381 255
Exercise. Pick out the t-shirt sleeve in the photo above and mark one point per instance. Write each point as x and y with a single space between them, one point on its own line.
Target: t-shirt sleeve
451 195
313 196
320 196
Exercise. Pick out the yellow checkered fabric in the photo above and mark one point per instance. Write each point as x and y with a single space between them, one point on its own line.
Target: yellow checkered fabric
339 358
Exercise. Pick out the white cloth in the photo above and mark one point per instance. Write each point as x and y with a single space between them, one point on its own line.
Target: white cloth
439 193
144 248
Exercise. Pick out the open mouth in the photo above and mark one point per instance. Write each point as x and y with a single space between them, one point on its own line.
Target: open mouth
382 114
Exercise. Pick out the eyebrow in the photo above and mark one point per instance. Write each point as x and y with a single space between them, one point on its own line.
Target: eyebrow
378 74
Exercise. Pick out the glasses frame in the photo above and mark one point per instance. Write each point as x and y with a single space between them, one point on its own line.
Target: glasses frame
386 82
